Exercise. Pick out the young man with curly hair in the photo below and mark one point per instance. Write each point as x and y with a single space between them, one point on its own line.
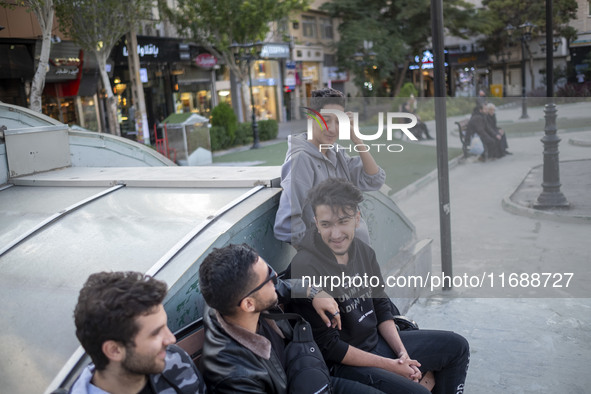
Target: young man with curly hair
121 323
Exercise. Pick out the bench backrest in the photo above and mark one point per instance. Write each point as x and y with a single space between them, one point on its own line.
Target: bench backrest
191 339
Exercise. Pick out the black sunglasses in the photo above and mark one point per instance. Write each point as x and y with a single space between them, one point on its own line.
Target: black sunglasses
271 277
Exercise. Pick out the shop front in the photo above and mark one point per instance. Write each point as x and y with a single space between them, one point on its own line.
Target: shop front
468 71
580 54
196 88
171 80
70 93
265 85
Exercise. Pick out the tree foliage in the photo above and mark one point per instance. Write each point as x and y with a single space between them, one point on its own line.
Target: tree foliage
97 25
219 25
398 30
502 13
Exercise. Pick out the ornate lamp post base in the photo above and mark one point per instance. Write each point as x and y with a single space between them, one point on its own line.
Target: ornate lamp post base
551 196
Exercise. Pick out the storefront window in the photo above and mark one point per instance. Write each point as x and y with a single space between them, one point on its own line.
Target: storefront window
89 112
265 102
265 77
198 102
62 109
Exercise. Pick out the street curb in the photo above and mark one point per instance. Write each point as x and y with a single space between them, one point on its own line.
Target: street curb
520 210
424 181
552 215
579 142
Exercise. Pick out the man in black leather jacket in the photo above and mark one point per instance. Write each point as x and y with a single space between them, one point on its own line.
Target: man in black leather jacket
243 351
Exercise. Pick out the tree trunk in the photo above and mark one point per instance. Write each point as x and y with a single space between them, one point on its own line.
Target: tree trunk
530 61
400 79
246 100
111 102
45 18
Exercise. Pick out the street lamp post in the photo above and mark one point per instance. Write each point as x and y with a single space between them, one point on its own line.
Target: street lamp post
525 30
249 57
504 57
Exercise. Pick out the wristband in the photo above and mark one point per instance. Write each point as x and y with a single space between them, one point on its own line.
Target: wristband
313 292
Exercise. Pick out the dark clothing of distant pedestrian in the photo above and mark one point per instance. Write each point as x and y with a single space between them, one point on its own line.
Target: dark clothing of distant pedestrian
478 125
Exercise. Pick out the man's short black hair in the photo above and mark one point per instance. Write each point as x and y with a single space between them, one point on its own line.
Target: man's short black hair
226 275
322 97
336 193
107 307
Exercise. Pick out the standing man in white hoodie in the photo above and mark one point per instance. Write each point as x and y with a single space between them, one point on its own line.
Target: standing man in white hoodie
311 161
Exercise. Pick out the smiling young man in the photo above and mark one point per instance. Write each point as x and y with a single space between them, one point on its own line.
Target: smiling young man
121 323
368 348
310 161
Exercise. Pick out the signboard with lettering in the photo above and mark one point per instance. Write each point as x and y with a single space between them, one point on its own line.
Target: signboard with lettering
275 51
151 50
205 60
290 74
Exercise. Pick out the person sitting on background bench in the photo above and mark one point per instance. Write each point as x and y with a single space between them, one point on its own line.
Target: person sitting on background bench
244 352
421 128
491 119
478 125
369 348
121 323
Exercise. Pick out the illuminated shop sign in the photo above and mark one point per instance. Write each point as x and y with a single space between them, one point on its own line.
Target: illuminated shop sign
275 51
144 50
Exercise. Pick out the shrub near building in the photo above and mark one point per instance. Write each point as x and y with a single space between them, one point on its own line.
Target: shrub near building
223 127
226 132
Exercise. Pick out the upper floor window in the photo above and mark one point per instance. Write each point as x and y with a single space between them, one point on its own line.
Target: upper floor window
326 28
309 26
330 60
282 26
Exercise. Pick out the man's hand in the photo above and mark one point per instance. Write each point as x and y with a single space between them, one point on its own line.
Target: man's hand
326 306
404 367
403 358
356 140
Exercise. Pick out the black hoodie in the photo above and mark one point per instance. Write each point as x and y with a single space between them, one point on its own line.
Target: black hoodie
362 308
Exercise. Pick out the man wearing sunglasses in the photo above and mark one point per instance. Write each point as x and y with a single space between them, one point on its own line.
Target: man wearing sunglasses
243 351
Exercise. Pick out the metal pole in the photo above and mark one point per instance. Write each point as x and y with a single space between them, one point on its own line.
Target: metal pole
255 126
524 114
551 196
441 131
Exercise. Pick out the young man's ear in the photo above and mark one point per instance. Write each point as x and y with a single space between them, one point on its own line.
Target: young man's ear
357 218
113 350
247 304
